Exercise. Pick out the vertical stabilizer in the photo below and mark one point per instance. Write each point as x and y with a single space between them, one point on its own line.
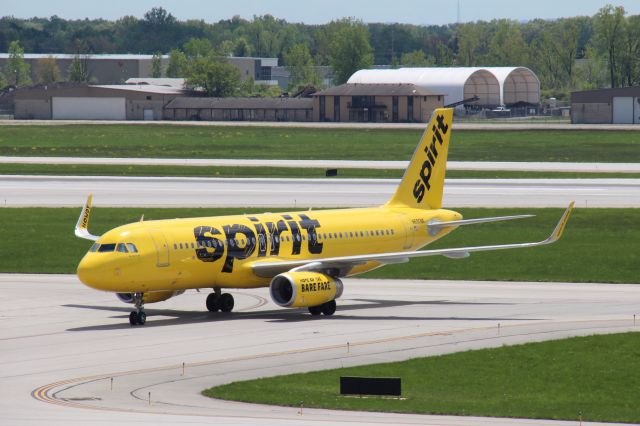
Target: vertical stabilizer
423 181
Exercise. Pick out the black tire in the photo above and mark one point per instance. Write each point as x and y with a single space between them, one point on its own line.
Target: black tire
329 308
226 302
133 318
213 303
315 310
142 318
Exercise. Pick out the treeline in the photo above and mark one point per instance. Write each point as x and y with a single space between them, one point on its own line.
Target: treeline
572 53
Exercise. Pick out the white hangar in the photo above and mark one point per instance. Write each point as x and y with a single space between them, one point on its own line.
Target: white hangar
492 85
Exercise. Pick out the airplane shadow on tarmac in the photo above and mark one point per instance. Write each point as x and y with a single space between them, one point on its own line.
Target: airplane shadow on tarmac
158 317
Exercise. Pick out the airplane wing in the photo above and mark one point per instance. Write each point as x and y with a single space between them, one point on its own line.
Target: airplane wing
341 266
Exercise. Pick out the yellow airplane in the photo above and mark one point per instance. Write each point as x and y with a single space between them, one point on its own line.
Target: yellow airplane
300 256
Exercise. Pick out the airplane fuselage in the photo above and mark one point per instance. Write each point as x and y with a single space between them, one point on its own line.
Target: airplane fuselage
206 252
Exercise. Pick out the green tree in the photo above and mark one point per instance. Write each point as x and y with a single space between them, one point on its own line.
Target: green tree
350 50
198 48
608 24
507 46
215 76
48 71
469 40
300 65
178 64
3 82
630 52
16 69
156 65
79 69
416 58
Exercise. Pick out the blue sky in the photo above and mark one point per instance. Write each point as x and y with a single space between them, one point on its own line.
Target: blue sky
319 11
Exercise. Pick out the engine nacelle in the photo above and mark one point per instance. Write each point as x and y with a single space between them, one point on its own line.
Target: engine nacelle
156 296
304 289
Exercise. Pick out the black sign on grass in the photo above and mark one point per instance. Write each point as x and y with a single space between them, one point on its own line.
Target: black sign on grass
382 386
331 172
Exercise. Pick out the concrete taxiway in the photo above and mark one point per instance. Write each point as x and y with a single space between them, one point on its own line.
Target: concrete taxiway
339 164
66 191
62 344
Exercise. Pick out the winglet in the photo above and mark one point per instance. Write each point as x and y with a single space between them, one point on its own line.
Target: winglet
82 226
559 229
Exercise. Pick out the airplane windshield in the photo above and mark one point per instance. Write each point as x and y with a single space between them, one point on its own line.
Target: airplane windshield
94 247
106 248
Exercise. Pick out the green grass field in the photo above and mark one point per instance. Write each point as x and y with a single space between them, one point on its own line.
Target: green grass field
296 143
596 377
274 172
599 245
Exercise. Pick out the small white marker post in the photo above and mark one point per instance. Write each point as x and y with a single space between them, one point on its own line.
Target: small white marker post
111 384
349 347
183 368
498 329
301 404
149 398
634 320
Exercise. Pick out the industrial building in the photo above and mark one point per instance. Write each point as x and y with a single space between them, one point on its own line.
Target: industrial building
606 106
493 86
391 103
94 102
116 69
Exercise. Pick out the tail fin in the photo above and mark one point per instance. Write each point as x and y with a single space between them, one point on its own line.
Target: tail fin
423 181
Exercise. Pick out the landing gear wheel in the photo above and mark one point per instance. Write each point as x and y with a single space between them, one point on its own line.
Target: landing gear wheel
226 302
213 304
329 308
315 310
137 318
133 318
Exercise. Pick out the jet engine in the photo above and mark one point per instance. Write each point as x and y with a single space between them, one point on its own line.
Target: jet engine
156 296
304 289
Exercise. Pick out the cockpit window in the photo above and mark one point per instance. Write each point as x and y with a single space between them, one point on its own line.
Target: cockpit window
106 248
132 247
94 247
122 248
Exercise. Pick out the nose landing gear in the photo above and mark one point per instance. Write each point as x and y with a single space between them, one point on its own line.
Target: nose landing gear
138 317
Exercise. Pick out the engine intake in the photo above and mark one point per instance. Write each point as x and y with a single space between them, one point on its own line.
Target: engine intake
304 289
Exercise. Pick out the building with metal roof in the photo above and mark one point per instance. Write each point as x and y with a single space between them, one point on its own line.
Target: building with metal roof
492 85
239 109
380 102
619 105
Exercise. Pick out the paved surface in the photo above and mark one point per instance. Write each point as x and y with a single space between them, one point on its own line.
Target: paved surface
60 191
480 125
61 343
340 164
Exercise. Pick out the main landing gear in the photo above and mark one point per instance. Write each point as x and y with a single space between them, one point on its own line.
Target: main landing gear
327 309
138 317
218 301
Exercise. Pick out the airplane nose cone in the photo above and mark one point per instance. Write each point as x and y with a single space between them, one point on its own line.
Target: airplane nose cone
88 271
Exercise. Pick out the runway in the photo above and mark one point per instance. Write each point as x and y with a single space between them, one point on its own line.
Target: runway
61 343
68 191
339 164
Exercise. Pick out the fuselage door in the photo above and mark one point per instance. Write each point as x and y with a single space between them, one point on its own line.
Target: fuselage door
410 229
162 248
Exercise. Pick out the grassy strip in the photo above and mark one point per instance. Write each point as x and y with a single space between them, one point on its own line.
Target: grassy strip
276 172
589 376
600 245
296 143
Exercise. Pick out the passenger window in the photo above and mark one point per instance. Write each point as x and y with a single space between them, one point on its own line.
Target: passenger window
175 246
180 245
104 248
121 248
392 232
94 247
192 245
132 247
351 234
361 234
335 235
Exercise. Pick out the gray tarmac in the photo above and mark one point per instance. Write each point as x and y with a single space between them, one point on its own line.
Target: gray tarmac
506 125
339 164
68 191
61 344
